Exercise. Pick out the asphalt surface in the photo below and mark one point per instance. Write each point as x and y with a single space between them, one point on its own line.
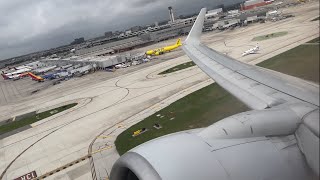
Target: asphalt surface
108 103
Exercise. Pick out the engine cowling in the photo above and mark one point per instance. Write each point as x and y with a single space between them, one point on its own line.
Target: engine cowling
184 156
247 146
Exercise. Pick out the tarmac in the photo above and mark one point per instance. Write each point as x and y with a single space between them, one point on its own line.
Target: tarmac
79 143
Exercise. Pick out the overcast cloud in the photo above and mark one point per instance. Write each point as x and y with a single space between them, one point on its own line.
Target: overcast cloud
32 25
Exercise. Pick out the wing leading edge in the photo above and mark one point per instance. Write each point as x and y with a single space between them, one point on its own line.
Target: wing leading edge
257 87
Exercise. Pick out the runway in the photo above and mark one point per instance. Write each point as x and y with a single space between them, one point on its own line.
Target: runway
107 105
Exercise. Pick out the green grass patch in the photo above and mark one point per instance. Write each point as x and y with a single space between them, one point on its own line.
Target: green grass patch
199 109
31 119
212 103
178 67
316 19
269 36
301 61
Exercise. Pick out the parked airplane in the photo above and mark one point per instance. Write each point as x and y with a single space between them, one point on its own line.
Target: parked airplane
163 50
15 74
251 51
50 76
118 66
13 77
35 77
277 139
123 65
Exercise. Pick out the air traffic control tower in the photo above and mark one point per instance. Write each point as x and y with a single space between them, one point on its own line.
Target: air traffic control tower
171 14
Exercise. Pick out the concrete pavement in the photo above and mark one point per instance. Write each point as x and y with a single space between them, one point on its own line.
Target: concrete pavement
106 107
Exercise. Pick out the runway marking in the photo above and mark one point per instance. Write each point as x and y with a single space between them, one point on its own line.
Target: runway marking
50 173
99 150
104 137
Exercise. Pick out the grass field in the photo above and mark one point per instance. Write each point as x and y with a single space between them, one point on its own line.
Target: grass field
302 62
210 104
178 67
269 36
29 120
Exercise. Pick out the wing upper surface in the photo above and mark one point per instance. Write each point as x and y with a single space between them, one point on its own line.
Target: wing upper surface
257 87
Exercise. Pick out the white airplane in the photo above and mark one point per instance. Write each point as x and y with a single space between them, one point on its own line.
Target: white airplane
118 66
277 139
14 77
251 51
15 74
19 71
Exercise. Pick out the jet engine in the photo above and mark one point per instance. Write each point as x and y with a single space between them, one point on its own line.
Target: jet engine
222 152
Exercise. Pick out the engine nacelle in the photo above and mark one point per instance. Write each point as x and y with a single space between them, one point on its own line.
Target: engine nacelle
184 156
247 146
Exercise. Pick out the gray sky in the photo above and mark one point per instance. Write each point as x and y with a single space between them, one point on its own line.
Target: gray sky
32 25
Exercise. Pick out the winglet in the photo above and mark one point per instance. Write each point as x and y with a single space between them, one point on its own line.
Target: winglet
196 31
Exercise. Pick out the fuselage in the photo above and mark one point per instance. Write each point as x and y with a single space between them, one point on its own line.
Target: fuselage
16 74
165 49
251 51
35 77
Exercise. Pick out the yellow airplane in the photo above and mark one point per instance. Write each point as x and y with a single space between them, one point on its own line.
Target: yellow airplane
160 51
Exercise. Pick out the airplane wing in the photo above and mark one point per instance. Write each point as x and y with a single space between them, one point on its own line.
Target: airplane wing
278 139
257 87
